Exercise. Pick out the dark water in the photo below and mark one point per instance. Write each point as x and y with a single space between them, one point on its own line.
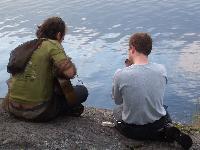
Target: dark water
97 41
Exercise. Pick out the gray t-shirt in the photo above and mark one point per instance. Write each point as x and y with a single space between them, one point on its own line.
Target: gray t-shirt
139 89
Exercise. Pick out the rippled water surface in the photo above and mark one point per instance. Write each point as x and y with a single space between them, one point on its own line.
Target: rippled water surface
97 41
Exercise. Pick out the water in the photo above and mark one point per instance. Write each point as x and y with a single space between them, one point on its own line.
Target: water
97 41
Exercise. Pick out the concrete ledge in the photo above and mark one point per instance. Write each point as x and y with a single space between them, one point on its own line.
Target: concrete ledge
85 132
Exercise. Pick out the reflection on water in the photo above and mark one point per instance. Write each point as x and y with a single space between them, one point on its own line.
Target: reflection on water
97 41
189 59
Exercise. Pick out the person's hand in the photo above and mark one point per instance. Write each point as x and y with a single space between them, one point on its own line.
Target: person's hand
128 62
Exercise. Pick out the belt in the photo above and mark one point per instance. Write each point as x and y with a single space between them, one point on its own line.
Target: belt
20 106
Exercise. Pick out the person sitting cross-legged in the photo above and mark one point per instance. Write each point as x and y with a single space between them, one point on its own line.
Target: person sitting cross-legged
39 88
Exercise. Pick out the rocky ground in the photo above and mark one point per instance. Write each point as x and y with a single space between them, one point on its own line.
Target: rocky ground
85 132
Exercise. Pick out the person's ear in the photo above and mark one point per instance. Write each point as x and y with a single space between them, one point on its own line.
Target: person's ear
132 49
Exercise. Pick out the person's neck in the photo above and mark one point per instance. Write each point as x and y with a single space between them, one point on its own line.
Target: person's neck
141 59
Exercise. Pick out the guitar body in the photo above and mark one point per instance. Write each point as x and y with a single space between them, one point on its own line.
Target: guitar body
67 90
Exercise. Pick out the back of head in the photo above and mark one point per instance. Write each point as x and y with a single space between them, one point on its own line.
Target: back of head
142 43
50 28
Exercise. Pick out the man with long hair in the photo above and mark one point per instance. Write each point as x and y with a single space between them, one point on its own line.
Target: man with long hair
40 87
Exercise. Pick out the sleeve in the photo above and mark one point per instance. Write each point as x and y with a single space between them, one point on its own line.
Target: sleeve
62 62
116 95
63 68
57 54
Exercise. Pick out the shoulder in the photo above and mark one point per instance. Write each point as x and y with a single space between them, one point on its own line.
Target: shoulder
120 73
160 68
117 74
52 44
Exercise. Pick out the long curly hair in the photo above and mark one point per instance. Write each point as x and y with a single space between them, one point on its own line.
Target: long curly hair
51 27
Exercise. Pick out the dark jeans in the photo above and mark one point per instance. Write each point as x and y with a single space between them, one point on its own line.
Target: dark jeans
150 131
58 104
49 110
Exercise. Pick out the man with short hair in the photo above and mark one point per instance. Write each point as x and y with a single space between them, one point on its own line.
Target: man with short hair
139 89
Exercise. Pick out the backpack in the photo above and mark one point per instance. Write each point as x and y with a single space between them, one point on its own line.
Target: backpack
20 56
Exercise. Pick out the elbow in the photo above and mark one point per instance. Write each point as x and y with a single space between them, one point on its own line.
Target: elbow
65 69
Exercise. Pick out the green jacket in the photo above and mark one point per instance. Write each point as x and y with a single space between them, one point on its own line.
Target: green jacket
35 84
